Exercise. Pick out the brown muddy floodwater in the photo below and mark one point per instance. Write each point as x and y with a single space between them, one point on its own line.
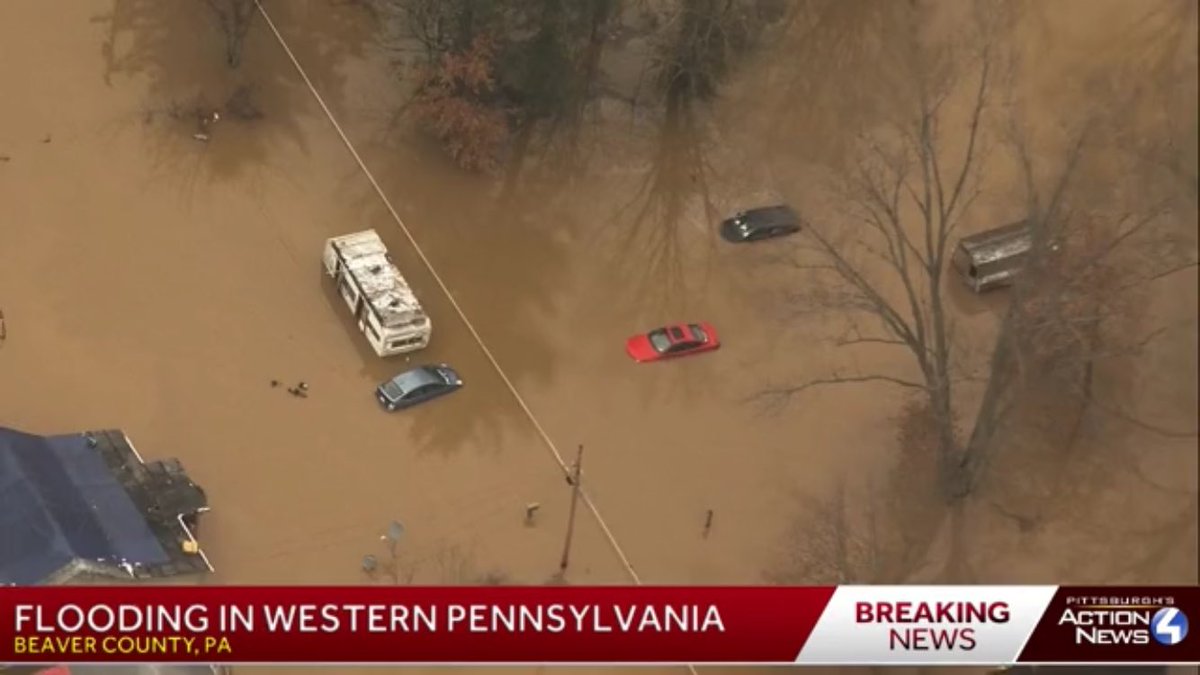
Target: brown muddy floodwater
158 284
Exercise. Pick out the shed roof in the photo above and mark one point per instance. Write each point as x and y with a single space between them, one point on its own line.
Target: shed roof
60 502
1001 242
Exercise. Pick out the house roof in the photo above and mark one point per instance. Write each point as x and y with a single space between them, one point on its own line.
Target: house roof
60 502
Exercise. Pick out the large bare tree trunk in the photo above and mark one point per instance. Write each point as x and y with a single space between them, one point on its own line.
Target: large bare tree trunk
998 400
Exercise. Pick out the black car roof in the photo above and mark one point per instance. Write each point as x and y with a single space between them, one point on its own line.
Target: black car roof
764 215
417 377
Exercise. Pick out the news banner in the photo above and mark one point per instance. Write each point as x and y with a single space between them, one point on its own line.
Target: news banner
842 625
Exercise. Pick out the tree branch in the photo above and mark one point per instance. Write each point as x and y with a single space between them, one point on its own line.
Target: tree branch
853 336
1115 243
847 342
1167 272
855 279
898 242
779 396
891 204
973 134
1150 427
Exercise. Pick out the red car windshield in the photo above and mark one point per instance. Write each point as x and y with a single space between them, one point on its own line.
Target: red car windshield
698 333
659 340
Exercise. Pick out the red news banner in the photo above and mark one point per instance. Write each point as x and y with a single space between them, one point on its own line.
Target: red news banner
976 625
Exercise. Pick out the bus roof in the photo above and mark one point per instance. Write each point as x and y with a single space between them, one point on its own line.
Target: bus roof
385 289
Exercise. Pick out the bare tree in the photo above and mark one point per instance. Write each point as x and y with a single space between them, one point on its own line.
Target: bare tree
434 25
831 543
908 193
701 41
458 567
657 217
870 528
836 41
906 200
234 18
450 564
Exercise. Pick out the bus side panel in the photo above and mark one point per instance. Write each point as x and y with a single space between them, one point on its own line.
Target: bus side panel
330 259
403 342
348 291
374 333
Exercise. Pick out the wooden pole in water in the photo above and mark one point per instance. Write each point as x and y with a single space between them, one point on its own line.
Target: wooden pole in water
575 480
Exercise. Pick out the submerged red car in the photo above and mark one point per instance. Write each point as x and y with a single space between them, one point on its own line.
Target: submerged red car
667 342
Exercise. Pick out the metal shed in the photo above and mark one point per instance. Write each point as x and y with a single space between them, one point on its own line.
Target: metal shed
994 257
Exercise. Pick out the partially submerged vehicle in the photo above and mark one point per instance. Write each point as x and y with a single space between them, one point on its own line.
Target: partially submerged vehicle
764 222
668 342
418 385
382 303
993 258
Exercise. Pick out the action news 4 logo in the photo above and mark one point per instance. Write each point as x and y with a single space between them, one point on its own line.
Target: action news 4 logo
1169 626
1125 621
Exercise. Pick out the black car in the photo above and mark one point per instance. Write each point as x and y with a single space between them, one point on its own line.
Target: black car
417 386
766 222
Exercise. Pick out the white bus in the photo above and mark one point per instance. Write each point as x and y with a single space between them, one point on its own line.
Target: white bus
382 303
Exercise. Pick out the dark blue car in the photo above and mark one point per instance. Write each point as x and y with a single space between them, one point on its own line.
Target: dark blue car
765 222
418 385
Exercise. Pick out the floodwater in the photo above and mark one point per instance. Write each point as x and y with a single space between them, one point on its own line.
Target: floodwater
158 284
167 281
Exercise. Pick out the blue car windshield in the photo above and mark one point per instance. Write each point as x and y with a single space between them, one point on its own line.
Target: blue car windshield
392 391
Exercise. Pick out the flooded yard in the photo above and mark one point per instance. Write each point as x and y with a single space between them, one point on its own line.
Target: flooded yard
157 283
169 281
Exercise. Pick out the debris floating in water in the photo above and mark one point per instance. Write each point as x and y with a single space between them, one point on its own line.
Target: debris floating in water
206 121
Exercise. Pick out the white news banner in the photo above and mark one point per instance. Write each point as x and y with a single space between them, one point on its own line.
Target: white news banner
905 625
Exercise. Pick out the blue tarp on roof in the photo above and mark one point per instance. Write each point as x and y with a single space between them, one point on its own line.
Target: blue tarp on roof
60 502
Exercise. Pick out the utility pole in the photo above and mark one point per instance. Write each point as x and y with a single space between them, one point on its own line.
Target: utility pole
575 480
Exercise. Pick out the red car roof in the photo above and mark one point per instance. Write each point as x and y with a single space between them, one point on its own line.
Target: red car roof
684 328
